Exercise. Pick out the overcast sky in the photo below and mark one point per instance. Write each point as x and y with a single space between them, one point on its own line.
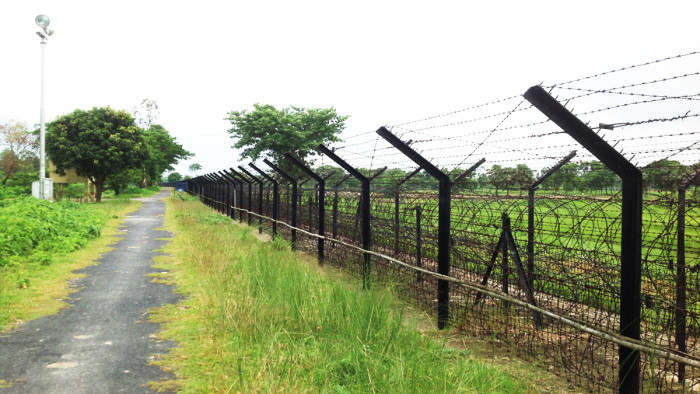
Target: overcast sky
381 62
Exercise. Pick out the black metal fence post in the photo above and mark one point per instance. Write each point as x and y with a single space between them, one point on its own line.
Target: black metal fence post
444 206
419 244
225 194
293 182
260 196
505 280
301 204
335 205
221 193
681 279
531 217
234 183
209 191
275 197
242 180
397 210
631 232
213 182
321 203
365 207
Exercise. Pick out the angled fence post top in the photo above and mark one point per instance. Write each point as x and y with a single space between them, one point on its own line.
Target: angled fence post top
286 176
303 167
239 175
378 173
347 167
262 173
230 177
408 177
223 177
253 177
345 178
692 178
413 155
583 134
554 169
330 174
469 171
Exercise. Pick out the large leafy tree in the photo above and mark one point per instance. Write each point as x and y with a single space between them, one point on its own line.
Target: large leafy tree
268 131
163 153
500 177
522 176
664 175
195 168
596 176
174 177
18 149
565 177
98 143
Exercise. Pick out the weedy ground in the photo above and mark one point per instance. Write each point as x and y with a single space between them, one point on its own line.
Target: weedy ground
257 317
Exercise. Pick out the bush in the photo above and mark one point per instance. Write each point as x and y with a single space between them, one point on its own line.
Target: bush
39 228
73 190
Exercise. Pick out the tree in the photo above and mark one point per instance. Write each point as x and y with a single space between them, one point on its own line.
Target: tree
268 131
467 183
98 143
522 176
498 177
146 114
664 175
195 168
596 176
163 153
118 182
565 177
174 177
19 153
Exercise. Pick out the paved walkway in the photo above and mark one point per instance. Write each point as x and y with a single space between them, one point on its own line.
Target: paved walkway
103 342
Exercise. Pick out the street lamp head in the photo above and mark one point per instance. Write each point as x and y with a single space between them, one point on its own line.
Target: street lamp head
42 21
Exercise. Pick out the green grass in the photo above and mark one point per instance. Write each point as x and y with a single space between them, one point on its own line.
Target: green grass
569 230
259 318
132 191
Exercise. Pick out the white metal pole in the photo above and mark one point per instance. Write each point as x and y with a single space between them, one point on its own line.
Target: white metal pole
42 130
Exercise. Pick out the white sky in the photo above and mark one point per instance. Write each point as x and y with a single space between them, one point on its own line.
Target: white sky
381 62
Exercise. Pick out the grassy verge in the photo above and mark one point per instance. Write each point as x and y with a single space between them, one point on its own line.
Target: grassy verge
34 288
258 317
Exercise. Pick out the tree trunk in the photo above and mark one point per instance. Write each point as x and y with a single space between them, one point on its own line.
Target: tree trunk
99 188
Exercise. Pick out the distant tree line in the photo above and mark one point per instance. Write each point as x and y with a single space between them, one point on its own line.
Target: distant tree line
583 177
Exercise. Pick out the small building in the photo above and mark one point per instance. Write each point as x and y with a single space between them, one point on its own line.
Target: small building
71 177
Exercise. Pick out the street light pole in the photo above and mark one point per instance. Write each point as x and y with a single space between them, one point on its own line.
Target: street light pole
43 22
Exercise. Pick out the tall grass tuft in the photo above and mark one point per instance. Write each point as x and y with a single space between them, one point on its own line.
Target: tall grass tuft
260 318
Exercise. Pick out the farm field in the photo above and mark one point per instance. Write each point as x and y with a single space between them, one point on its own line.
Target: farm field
576 257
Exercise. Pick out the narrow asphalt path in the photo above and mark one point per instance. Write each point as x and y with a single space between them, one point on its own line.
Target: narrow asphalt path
102 343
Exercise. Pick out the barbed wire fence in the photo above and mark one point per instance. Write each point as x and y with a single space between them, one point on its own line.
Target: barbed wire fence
525 220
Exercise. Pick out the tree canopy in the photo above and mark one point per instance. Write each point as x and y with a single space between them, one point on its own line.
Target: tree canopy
268 131
98 143
664 174
163 152
17 149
